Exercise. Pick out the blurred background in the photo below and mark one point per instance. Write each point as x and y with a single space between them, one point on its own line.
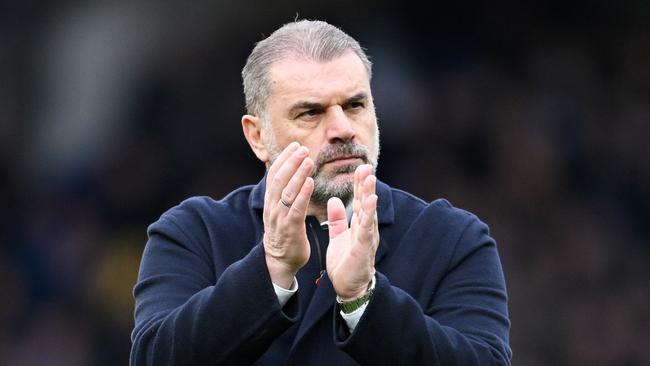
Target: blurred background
533 115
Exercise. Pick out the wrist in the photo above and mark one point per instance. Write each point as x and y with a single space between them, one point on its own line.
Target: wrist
280 274
349 305
350 295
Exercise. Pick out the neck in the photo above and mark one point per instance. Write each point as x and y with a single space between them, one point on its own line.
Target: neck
318 211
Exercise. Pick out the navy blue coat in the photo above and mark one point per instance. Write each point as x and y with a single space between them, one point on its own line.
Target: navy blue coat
204 295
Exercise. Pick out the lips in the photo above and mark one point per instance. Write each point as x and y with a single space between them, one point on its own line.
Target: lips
342 158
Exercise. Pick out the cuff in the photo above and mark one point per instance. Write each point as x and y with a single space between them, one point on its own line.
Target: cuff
352 319
283 294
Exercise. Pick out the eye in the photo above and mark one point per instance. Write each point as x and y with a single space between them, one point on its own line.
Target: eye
355 106
309 114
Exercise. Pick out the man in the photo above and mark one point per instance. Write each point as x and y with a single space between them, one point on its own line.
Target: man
319 263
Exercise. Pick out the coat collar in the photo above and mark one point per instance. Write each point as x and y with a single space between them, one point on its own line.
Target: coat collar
385 209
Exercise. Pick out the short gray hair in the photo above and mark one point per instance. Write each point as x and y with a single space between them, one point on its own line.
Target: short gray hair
312 39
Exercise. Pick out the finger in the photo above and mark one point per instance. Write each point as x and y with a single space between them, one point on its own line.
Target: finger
284 155
284 173
367 213
368 223
298 210
290 192
356 201
337 221
354 190
360 175
369 186
277 164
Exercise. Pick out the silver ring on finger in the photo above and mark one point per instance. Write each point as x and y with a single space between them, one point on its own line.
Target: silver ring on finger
285 204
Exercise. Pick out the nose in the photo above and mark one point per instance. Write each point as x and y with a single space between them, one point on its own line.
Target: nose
339 126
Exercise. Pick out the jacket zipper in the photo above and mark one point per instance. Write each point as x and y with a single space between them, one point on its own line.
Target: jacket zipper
320 255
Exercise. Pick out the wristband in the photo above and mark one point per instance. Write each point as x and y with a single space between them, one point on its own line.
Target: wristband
348 307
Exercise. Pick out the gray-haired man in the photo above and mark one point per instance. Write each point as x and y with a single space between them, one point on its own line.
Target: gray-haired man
319 263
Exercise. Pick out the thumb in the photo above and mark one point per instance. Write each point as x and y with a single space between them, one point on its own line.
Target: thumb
338 221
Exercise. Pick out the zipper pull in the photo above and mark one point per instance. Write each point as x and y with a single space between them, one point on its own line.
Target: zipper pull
320 278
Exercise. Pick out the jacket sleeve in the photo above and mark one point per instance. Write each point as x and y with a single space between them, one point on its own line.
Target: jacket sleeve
185 314
466 322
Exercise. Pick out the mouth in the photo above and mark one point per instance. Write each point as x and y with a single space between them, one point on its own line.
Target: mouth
342 160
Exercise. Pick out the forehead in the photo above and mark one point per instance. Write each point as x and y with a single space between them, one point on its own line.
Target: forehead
296 78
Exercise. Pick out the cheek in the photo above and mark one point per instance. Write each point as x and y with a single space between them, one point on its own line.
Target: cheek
284 135
367 134
314 150
314 140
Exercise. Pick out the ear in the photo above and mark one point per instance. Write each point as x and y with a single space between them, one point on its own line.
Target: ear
254 134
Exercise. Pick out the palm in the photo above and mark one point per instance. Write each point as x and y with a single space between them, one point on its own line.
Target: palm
351 251
337 253
344 262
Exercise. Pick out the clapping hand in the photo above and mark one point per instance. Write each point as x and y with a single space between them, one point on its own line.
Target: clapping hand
351 251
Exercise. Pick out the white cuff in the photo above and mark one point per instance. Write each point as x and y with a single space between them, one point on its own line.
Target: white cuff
283 294
352 319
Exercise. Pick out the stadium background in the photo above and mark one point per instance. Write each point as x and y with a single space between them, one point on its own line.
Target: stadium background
534 115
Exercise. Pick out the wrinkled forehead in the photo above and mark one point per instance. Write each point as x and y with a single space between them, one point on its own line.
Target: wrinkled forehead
299 77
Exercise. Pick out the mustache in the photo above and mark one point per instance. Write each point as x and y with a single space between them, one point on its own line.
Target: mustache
342 150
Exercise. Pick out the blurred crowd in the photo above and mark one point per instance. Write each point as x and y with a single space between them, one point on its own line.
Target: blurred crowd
534 116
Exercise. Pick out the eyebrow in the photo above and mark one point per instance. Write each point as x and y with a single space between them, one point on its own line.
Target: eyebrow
306 105
359 97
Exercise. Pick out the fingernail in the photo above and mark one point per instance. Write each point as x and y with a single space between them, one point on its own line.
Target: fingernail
305 163
294 145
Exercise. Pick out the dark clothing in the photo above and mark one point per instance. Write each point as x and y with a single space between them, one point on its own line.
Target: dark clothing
204 295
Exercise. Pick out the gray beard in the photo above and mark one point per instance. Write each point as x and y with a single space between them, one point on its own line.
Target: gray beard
325 186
